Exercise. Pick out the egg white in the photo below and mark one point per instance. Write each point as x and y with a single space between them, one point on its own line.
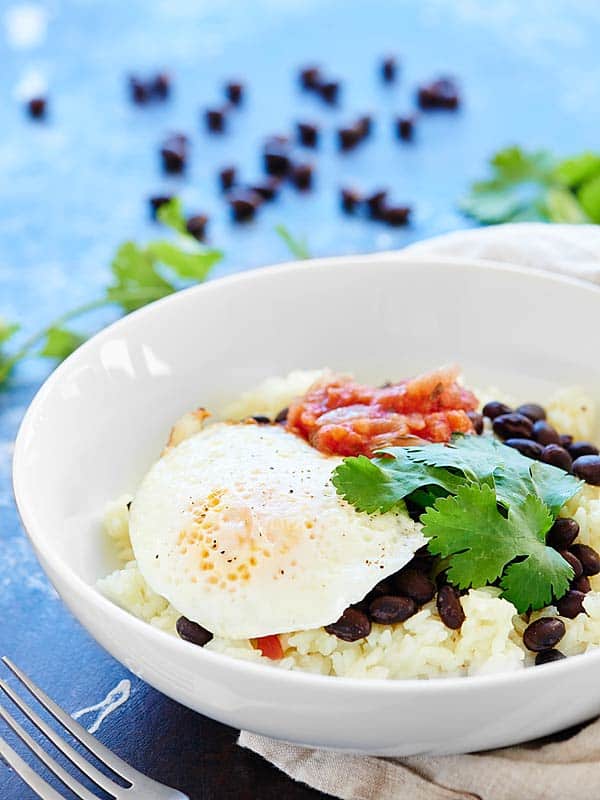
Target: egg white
240 528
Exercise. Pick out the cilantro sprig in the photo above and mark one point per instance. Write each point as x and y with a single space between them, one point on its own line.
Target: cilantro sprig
487 510
536 186
140 275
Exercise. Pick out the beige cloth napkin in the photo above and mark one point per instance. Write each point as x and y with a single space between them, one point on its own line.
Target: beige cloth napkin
536 771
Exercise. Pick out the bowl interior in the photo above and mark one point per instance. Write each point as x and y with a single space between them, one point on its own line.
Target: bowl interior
103 416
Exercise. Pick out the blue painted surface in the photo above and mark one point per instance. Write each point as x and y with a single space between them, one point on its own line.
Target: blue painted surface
75 186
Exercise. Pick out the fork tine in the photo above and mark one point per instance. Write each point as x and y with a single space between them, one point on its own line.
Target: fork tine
31 778
70 782
88 769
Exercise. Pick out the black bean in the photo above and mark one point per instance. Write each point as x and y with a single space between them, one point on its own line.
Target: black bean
563 533
389 67
157 201
376 202
415 584
449 607
310 77
301 175
234 91
267 189
348 137
351 626
364 125
395 215
545 434
276 159
227 177
329 91
260 419
383 587
139 89
476 420
588 469
215 119
543 634
173 159
526 447
351 199
578 449
566 440
37 107
590 559
573 562
557 456
160 85
534 411
389 609
196 226
405 128
581 584
513 426
547 656
494 409
571 604
192 632
282 416
308 134
243 205
442 93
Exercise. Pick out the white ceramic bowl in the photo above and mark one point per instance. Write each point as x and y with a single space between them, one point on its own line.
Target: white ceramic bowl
101 419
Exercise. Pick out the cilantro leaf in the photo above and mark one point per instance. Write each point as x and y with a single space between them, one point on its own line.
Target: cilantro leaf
481 544
514 164
7 330
134 268
171 215
589 197
297 247
60 342
562 206
574 171
380 484
190 262
490 202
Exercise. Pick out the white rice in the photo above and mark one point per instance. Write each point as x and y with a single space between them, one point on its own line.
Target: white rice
490 639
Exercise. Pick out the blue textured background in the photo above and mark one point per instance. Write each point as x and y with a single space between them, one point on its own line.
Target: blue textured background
74 186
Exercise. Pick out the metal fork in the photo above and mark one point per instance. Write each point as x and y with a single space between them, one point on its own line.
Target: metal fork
140 788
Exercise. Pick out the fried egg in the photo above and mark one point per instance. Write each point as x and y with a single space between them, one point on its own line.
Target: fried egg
241 529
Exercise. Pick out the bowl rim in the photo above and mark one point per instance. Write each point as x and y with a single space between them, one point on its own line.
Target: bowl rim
89 594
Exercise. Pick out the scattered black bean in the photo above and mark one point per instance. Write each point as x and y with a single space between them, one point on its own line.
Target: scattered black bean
37 107
301 175
389 609
174 153
308 134
573 561
364 125
563 533
261 419
267 189
405 128
389 68
276 158
581 584
243 204
545 434
157 201
590 559
192 632
351 626
588 469
348 137
571 604
310 77
494 409
139 89
395 215
282 416
215 119
513 426
351 199
441 93
415 584
160 85
547 656
543 634
566 440
449 607
477 421
234 92
578 449
557 456
527 448
196 226
329 91
227 177
534 411
376 202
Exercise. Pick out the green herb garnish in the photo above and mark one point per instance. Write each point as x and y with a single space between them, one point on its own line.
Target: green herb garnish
297 247
487 510
530 186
